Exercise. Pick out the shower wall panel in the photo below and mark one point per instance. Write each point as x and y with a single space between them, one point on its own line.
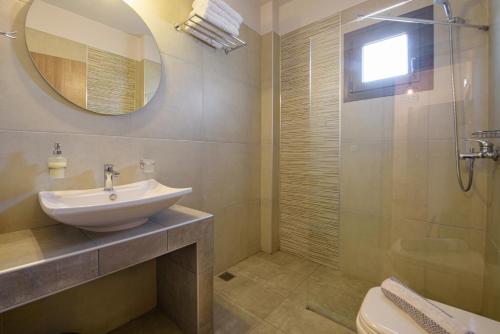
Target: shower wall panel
310 142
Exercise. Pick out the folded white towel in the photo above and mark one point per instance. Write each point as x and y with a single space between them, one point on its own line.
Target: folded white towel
430 317
220 4
211 6
218 20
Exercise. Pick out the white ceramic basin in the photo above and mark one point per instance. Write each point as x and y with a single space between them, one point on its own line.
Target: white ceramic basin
94 210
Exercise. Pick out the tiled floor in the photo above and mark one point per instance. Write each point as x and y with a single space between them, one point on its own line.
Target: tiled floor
269 295
154 322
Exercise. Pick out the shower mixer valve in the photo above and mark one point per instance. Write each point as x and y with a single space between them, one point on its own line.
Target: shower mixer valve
487 150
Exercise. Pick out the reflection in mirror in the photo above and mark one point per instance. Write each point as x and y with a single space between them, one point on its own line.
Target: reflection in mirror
100 55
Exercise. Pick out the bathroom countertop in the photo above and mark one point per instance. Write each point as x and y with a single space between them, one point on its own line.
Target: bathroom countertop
36 263
26 248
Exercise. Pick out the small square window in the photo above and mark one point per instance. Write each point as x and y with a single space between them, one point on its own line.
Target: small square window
387 58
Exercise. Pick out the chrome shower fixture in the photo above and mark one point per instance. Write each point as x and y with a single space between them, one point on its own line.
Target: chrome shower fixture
452 21
487 150
9 34
447 8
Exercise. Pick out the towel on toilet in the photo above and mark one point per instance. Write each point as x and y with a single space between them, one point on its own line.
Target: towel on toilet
430 317
211 11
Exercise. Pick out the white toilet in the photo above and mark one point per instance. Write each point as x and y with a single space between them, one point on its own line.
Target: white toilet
378 315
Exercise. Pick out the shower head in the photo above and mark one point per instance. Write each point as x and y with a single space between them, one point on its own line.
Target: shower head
446 7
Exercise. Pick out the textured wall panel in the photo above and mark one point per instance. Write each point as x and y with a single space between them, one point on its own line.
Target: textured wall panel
111 81
309 151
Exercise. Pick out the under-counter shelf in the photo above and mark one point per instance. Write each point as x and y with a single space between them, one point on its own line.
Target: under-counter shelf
210 34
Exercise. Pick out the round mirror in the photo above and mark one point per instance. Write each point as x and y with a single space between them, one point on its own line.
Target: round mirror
100 55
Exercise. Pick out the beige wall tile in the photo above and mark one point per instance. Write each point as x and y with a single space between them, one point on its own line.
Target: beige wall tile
231 174
24 156
161 18
447 204
254 56
363 120
171 115
411 180
240 221
176 110
243 65
363 248
491 294
205 116
231 109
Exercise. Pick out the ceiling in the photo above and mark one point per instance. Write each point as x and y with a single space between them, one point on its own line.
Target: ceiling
280 2
340 3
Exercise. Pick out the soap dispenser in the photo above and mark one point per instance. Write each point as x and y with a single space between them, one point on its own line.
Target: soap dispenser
57 163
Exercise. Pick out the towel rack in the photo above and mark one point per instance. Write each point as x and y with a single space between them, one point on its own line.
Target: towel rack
202 28
9 34
486 134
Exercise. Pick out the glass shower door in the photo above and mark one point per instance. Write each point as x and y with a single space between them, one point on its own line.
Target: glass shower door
399 210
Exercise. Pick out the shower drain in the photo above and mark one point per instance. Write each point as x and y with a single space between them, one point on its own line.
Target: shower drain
227 276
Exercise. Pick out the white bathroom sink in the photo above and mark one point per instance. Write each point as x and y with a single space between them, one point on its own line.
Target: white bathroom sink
95 210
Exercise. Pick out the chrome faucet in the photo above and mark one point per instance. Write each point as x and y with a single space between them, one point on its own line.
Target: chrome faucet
487 150
109 175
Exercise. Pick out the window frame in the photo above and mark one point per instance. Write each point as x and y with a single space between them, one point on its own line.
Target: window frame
420 57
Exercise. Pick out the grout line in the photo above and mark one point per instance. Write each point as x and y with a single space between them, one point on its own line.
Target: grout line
127 137
287 298
387 216
251 314
274 327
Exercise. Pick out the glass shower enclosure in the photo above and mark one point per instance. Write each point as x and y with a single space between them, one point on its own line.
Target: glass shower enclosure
368 186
